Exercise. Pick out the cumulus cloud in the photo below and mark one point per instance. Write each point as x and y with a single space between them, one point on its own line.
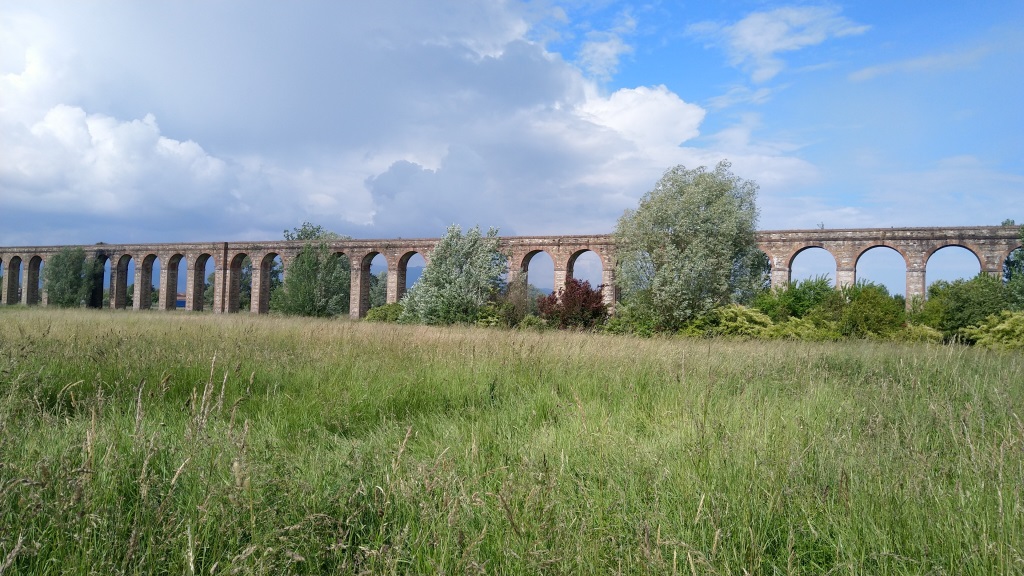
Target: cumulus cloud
376 120
755 42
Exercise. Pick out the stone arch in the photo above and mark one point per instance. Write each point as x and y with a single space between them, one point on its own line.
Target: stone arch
401 273
96 296
119 281
360 292
169 281
3 284
237 289
570 266
791 260
195 287
12 281
933 271
144 281
522 268
895 282
973 249
262 281
341 254
32 293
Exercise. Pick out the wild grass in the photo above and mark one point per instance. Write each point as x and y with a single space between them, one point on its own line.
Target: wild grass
196 444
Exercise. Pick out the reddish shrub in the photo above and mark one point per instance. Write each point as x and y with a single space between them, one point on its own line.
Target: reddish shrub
577 305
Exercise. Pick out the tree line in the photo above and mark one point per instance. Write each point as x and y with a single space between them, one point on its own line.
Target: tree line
688 263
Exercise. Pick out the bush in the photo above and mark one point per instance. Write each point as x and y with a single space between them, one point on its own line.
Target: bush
919 333
871 311
576 305
953 306
805 329
796 299
1001 331
732 320
636 320
531 322
385 313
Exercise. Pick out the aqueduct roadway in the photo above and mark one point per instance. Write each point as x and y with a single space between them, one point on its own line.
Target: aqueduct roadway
21 265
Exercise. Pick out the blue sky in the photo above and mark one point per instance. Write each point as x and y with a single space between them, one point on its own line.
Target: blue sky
230 120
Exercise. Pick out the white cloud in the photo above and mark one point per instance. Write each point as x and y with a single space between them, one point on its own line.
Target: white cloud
373 121
755 42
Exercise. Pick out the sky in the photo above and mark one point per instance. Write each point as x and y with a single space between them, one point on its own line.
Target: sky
235 120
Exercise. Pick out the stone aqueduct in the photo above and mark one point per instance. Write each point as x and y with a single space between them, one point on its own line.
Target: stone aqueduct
22 265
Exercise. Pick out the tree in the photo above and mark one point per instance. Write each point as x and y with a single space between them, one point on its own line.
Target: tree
318 280
953 306
689 246
317 284
463 274
68 277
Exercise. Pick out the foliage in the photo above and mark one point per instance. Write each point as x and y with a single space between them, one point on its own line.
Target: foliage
385 313
796 299
464 273
575 305
689 246
532 322
311 232
806 329
919 333
1002 331
68 278
378 289
869 310
636 318
953 306
733 320
317 283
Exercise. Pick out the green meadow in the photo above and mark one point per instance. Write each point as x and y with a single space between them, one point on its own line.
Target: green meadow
175 443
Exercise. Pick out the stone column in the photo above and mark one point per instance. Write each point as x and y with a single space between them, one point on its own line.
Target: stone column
259 299
359 286
608 294
30 288
393 286
195 285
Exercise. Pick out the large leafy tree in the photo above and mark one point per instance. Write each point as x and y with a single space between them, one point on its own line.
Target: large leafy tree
689 247
68 277
317 283
464 272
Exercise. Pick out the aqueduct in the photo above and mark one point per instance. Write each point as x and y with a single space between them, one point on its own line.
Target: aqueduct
21 266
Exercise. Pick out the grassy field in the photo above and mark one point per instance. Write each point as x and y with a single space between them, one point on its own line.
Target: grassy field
192 444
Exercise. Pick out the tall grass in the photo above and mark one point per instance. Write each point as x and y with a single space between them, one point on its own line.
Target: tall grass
176 443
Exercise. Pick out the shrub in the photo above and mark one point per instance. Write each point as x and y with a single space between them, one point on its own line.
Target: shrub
953 306
385 313
871 311
796 299
531 322
732 320
636 320
804 329
1002 331
919 333
576 305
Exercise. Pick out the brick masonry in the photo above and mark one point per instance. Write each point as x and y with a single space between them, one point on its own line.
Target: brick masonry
22 265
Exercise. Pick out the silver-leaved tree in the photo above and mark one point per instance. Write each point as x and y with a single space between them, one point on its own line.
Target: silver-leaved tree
689 247
464 272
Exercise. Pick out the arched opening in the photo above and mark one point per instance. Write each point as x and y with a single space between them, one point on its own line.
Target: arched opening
269 279
33 288
410 268
99 283
203 279
239 285
585 265
378 278
883 265
122 291
951 263
147 294
540 273
2 286
172 284
810 263
12 282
